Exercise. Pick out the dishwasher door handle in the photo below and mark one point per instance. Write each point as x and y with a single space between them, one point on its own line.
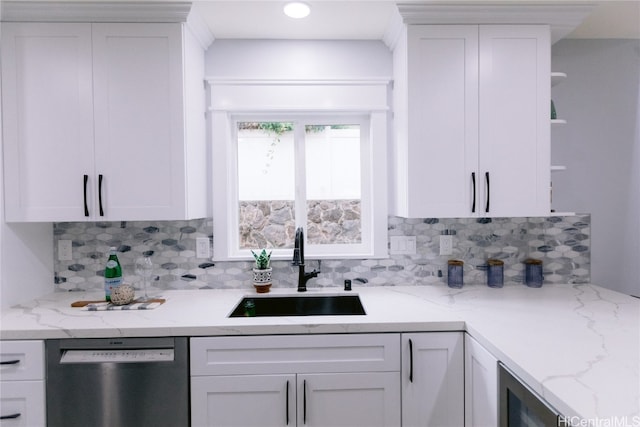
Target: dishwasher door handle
147 355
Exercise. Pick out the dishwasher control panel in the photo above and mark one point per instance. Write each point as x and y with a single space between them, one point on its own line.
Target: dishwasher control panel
118 356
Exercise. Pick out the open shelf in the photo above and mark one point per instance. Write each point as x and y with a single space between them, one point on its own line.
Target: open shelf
557 77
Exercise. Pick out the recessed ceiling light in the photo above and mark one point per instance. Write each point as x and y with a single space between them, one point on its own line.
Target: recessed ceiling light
296 9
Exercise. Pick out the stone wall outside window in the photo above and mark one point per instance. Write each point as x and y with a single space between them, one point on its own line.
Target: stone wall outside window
271 224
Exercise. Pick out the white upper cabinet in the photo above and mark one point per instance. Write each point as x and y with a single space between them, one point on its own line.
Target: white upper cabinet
514 132
47 106
471 112
139 123
436 120
98 122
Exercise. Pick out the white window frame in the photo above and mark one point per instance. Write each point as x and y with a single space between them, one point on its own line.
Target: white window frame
364 101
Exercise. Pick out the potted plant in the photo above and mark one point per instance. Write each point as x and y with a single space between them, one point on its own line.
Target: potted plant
262 271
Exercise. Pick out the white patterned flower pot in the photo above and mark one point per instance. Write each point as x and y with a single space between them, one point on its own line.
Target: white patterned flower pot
262 280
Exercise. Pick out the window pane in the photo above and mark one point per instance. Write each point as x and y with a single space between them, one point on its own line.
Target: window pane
266 185
333 184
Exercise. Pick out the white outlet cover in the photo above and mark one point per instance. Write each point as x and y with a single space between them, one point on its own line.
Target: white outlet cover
203 247
446 245
402 245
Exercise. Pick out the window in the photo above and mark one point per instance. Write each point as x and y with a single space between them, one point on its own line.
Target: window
300 173
322 169
311 171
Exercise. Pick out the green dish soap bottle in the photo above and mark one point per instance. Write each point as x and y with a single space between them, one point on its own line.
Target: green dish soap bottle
112 274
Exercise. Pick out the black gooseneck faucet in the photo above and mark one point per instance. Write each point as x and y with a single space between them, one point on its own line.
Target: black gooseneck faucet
298 259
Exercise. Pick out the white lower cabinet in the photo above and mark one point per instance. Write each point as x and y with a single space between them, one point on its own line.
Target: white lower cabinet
311 380
22 403
481 385
22 390
243 400
433 379
352 399
444 379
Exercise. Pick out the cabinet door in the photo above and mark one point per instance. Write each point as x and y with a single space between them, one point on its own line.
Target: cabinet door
138 106
243 400
47 121
22 403
442 138
433 379
515 120
480 385
358 399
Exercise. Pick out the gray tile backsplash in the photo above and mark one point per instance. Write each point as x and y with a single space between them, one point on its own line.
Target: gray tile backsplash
562 243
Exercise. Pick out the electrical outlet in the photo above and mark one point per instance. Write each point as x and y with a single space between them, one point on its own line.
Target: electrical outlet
202 247
65 250
446 244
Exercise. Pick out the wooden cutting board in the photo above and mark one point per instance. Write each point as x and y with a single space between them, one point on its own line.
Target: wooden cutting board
85 303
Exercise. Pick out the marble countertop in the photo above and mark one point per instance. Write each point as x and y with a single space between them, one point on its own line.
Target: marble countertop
578 346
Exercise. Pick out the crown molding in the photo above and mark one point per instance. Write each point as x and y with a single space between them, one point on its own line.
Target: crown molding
88 11
200 30
562 17
394 31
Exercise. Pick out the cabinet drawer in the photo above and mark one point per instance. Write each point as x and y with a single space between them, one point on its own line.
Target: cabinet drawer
295 354
21 360
23 403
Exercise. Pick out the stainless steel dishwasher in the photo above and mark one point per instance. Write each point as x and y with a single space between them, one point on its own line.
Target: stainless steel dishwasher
118 382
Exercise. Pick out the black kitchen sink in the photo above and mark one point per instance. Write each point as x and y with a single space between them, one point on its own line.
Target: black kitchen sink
317 305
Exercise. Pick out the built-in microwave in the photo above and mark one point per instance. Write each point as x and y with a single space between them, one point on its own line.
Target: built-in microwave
520 406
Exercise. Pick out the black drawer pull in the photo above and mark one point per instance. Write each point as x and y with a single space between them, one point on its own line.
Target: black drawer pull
100 194
10 362
287 405
86 207
410 361
10 417
473 182
486 176
304 402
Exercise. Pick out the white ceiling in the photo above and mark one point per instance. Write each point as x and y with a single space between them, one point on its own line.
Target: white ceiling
354 19
611 20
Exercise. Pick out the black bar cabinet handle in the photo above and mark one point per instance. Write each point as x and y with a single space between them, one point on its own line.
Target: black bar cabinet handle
473 183
10 362
410 360
10 417
304 402
100 194
486 177
86 207
287 405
